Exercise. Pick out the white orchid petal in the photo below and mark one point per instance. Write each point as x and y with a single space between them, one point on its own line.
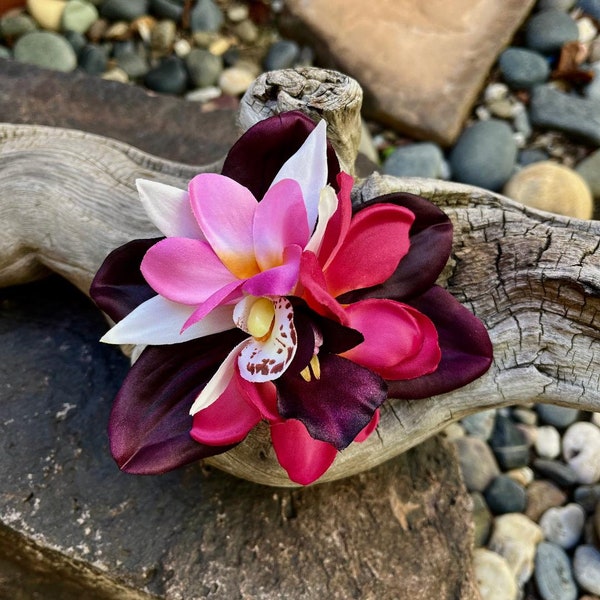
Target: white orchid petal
169 209
265 360
159 321
218 382
308 166
328 203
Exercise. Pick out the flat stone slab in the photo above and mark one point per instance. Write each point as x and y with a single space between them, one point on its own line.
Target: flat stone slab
421 64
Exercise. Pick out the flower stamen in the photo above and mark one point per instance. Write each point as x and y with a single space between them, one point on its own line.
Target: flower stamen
261 318
313 369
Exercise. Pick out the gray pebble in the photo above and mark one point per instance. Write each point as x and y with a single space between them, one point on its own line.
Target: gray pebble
16 25
123 10
92 59
528 156
45 49
509 444
77 40
522 68
79 16
423 159
558 416
549 30
281 55
167 9
587 496
478 465
589 169
482 519
586 566
553 574
132 63
5 52
206 16
247 31
592 89
556 4
169 77
484 155
563 525
204 67
557 471
504 495
163 37
590 7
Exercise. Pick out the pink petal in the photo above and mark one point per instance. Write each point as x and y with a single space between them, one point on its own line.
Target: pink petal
225 212
374 245
304 458
227 421
278 281
266 360
169 209
184 270
370 428
280 221
263 396
400 342
225 295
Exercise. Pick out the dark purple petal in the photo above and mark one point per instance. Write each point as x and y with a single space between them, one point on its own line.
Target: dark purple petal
336 407
150 422
464 341
257 156
430 246
119 285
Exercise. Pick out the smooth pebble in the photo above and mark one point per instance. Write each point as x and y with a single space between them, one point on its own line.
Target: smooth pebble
547 443
553 575
47 13
167 9
477 462
123 10
559 416
421 159
92 59
281 55
522 68
542 495
563 525
549 30
169 77
590 7
78 16
45 49
15 25
204 67
482 519
589 169
586 566
206 16
493 576
581 451
235 80
504 495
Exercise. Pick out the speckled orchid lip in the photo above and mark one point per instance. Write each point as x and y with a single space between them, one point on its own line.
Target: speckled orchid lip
268 300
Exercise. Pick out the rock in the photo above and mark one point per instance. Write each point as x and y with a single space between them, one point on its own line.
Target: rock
167 9
527 416
529 156
570 114
247 31
47 13
123 10
589 169
515 537
588 496
564 5
587 30
558 472
162 37
45 49
235 80
477 463
504 495
13 26
482 519
132 63
205 94
559 416
281 55
493 575
5 52
206 16
547 443
522 68
590 7
78 16
237 12
521 123
424 159
581 451
169 77
484 155
77 40
549 30
542 495
553 188
453 432
92 59
563 525
115 74
586 566
522 475
410 62
508 444
553 575
204 68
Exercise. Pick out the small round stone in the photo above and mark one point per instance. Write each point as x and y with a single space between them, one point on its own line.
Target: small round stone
522 68
528 156
47 13
92 59
508 443
581 451
553 188
162 37
205 94
169 77
204 67
482 519
542 495
77 40
477 463
493 576
5 52
587 30
522 475
559 416
484 155
588 497
563 525
555 470
237 12
589 168
547 443
79 16
13 26
424 159
281 55
549 30
555 4
590 7
45 49
133 64
553 575
206 16
235 80
586 566
116 74
123 10
504 495
247 31
167 9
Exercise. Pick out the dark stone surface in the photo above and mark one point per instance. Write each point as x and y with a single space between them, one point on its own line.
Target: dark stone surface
165 126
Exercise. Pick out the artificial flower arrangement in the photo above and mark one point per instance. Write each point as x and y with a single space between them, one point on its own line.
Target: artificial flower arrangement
267 299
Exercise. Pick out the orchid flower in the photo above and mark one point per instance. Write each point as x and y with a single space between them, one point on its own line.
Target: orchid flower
289 310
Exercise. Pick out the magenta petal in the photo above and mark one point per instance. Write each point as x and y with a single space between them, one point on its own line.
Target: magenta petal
263 396
259 154
304 458
184 270
464 342
369 429
150 422
278 281
338 405
222 296
119 285
226 421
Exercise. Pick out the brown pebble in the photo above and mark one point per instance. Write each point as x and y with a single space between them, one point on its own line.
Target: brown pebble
542 495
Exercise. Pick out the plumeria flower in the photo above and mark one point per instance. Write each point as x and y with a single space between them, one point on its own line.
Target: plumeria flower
267 300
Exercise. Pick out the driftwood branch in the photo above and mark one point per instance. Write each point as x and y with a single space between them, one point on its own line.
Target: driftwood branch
67 198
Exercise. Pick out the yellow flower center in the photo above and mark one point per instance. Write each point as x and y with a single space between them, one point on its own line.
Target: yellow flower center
260 318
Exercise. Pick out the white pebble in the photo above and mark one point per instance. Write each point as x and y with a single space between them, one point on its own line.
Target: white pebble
586 566
581 451
596 419
493 576
587 30
235 81
182 48
563 525
495 91
522 475
205 94
547 443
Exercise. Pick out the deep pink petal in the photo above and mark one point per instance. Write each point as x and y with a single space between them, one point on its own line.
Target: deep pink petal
263 396
400 342
280 221
376 242
225 212
369 429
278 281
184 270
304 458
226 421
225 295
